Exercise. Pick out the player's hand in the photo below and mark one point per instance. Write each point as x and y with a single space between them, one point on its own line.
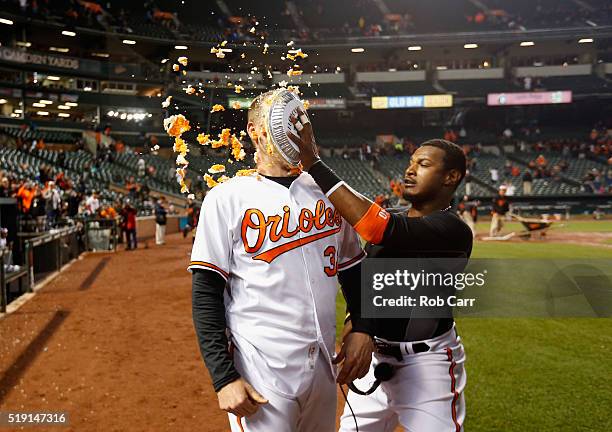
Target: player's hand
309 153
356 356
240 398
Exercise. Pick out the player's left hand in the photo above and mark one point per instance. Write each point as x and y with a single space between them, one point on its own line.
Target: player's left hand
356 356
309 153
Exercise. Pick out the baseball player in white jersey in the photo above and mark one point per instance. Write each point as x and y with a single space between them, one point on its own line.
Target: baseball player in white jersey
267 252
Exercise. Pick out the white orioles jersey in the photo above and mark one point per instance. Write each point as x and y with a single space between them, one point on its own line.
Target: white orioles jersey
279 250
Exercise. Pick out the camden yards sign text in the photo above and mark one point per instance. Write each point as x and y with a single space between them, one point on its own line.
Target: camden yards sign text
8 54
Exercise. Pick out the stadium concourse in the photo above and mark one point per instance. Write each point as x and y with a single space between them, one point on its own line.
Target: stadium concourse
88 170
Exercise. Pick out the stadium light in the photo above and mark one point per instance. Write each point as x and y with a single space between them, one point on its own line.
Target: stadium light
23 44
527 43
180 47
415 48
63 115
87 88
441 68
129 42
42 113
6 21
585 40
71 104
59 49
357 50
45 102
470 46
38 105
102 55
68 33
3 101
123 116
64 107
110 113
53 78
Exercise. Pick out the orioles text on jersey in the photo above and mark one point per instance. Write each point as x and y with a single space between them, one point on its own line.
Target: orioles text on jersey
276 227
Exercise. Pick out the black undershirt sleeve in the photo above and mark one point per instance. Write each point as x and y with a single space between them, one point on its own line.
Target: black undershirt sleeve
350 283
210 325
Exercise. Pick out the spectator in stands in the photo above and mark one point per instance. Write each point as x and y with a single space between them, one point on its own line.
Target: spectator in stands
44 173
160 220
132 187
5 188
38 211
527 182
141 166
494 175
74 198
61 182
129 221
92 203
108 212
7 247
25 195
500 208
53 203
450 135
507 169
61 158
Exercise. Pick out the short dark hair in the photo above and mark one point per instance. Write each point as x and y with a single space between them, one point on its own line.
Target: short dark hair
454 158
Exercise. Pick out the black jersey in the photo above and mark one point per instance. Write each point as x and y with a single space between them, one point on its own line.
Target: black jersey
438 235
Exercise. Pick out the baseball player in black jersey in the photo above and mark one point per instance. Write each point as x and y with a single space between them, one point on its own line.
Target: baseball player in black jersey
423 388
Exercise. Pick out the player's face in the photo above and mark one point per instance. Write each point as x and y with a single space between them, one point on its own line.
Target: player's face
425 175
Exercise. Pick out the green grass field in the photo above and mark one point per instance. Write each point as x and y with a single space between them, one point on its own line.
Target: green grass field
537 374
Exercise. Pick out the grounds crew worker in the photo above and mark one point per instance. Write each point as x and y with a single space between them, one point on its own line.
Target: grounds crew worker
425 393
500 208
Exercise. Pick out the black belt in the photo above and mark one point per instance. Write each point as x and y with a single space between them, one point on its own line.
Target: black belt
396 350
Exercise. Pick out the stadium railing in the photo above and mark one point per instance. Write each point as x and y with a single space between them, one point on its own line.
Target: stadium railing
7 278
49 253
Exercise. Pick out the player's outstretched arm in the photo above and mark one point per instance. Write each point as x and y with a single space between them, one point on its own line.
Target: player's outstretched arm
351 205
368 219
